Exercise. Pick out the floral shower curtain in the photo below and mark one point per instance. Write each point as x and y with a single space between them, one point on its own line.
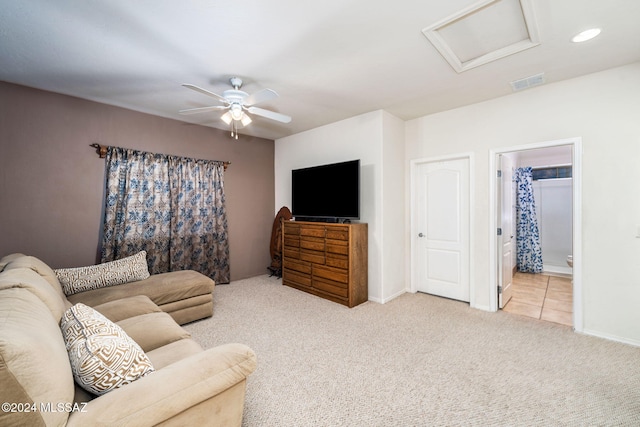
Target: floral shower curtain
172 207
529 251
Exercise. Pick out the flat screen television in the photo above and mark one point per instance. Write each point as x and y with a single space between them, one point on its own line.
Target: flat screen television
328 192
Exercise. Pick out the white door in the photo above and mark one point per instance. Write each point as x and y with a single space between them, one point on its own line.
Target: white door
442 228
505 225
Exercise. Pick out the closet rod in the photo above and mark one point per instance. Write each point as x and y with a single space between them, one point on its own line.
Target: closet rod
101 150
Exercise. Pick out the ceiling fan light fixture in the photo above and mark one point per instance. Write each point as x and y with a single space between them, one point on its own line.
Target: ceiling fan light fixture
586 35
226 117
245 120
236 112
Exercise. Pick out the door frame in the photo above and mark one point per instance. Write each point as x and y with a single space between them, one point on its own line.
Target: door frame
413 228
500 194
576 144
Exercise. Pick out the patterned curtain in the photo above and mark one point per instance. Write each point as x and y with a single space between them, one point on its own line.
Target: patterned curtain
199 219
529 258
172 207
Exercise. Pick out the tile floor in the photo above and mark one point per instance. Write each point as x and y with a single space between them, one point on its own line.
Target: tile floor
542 297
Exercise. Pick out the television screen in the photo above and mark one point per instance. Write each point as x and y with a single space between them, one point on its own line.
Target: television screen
327 191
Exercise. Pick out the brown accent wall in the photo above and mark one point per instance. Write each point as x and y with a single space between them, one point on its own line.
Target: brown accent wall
52 182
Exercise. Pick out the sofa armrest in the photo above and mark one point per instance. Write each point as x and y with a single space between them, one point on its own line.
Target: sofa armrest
171 390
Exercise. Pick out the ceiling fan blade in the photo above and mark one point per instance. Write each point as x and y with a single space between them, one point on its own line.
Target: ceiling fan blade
203 109
269 114
261 96
206 92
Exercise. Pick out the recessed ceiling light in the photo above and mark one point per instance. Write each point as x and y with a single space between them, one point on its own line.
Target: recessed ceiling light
586 35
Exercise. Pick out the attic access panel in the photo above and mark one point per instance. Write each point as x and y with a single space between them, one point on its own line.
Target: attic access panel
483 32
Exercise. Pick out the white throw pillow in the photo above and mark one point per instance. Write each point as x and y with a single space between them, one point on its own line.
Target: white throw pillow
102 356
118 272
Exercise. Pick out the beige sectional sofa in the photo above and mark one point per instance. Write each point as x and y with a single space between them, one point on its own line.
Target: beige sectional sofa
186 385
186 295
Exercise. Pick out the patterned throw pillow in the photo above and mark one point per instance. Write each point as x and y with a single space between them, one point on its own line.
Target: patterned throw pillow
103 357
118 272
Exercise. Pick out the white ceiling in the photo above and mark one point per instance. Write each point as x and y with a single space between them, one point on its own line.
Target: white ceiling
328 60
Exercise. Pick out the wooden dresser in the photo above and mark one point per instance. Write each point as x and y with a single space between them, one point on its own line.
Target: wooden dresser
327 260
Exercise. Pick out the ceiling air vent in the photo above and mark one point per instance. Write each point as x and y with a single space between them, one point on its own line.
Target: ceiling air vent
527 82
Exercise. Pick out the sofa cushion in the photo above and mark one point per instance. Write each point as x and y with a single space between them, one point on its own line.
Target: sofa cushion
103 357
174 352
161 288
195 311
127 307
34 366
80 279
35 264
28 279
153 330
5 260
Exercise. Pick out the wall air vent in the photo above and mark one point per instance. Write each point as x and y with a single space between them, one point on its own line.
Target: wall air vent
527 82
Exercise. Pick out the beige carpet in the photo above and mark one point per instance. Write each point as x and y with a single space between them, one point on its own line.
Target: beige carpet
418 360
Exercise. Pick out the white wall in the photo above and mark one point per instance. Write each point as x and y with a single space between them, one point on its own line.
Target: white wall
393 280
377 139
601 108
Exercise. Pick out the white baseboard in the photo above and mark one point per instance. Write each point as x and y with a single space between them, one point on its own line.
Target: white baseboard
482 307
386 300
557 269
610 337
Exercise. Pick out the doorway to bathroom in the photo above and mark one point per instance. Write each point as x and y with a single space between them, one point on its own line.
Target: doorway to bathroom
532 260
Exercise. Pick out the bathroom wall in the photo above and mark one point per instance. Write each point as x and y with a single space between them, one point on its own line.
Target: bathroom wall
555 221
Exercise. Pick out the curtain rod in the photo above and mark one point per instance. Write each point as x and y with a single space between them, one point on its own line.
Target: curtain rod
101 150
559 165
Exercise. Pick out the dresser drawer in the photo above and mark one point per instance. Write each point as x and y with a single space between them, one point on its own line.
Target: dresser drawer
334 288
338 261
289 252
291 228
297 266
313 231
296 278
315 257
337 246
334 274
291 241
312 243
338 234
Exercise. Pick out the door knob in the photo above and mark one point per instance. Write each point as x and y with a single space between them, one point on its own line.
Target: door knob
420 235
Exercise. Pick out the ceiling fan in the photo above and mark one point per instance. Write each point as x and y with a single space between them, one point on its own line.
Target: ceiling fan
238 103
